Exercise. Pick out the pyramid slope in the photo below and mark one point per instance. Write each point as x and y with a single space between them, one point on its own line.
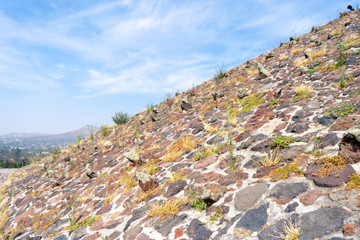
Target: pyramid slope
258 149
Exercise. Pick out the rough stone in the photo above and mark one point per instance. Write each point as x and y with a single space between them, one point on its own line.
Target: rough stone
288 190
233 178
132 233
248 196
328 140
263 73
321 222
291 207
350 145
274 232
349 230
310 197
203 163
133 157
165 226
108 144
333 180
175 188
213 193
146 182
254 219
197 231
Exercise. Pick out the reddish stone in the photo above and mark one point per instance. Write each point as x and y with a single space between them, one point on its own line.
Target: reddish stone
239 183
143 236
193 175
92 237
96 226
21 202
350 150
343 123
113 223
114 235
280 127
186 172
309 197
104 209
263 171
146 186
203 163
126 212
148 154
228 198
349 230
282 200
207 177
179 232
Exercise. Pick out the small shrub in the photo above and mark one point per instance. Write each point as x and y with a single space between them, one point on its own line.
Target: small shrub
151 170
283 173
251 101
86 222
127 181
55 151
342 110
149 107
273 102
341 59
174 176
104 130
198 204
214 216
120 118
204 154
220 73
283 142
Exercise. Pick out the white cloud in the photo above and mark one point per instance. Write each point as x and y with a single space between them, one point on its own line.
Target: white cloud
143 46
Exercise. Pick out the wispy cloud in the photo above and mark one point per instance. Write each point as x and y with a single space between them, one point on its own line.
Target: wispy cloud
142 46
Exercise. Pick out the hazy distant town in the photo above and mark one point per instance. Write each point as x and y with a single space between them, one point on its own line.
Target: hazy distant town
20 149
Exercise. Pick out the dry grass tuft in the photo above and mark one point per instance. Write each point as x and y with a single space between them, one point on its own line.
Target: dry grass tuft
291 231
283 57
170 207
252 72
141 195
296 50
177 148
303 89
171 156
174 176
316 54
300 63
271 159
209 128
127 181
336 31
330 165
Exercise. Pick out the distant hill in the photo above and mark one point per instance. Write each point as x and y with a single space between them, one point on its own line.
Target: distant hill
45 140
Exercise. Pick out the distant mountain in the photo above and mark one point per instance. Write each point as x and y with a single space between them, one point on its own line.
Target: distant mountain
23 135
45 140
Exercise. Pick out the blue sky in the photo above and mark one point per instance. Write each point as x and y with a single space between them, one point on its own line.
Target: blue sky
68 63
